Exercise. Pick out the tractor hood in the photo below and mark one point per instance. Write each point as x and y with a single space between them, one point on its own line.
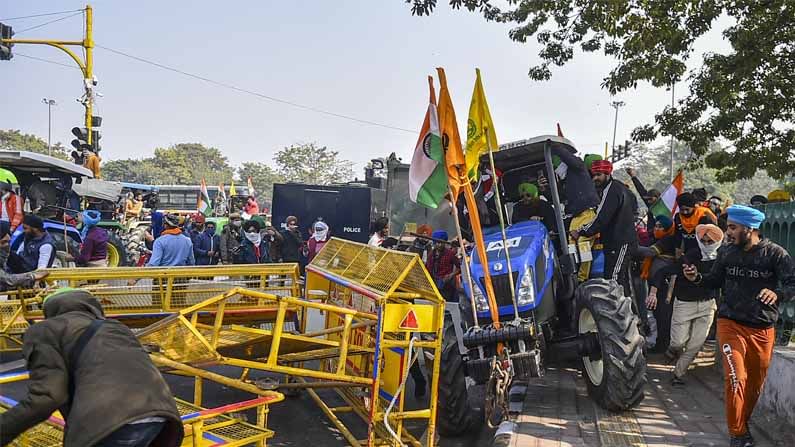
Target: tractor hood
531 253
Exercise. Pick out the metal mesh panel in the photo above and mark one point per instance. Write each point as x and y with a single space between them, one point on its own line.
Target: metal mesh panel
41 435
375 268
177 341
18 325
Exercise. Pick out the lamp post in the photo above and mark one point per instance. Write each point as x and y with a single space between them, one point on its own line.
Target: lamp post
616 105
50 103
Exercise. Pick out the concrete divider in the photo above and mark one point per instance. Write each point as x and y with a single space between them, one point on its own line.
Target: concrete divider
778 395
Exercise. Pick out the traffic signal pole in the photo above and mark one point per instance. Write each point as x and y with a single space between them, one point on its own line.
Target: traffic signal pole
87 66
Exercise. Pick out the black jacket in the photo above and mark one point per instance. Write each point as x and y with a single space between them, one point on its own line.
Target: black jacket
292 245
614 217
580 190
685 290
742 275
115 381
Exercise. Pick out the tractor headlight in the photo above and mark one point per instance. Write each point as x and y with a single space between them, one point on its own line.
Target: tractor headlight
527 290
481 303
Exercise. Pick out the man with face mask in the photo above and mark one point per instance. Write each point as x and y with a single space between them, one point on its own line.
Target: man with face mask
205 245
615 221
293 243
253 250
11 206
230 239
691 214
320 236
12 281
693 305
754 275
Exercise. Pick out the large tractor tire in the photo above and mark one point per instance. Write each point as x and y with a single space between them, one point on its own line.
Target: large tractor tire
616 372
117 252
454 414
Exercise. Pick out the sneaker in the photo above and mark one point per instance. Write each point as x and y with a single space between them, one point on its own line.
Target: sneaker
749 440
676 381
741 441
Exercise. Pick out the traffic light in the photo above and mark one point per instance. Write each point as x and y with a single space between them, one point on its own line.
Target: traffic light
81 142
6 32
620 153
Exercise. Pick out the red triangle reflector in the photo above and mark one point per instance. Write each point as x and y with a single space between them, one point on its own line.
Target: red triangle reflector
409 321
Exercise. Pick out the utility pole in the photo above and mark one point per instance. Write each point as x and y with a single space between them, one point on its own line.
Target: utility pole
50 103
87 66
673 86
616 105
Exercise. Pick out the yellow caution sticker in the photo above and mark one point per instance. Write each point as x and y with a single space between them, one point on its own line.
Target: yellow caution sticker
409 318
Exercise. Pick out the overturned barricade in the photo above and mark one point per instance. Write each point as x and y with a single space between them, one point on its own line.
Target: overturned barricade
141 296
378 306
203 426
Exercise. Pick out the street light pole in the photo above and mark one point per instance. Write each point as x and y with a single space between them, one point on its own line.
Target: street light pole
616 105
50 103
673 86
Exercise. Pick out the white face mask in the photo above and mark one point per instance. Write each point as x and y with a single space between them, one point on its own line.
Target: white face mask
708 252
254 238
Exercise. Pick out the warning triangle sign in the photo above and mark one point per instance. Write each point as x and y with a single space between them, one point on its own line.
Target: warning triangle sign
409 321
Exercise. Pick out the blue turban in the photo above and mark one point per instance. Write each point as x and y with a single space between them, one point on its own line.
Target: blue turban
745 216
90 219
439 234
664 220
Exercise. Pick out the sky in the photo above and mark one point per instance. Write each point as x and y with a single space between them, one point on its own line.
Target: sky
368 59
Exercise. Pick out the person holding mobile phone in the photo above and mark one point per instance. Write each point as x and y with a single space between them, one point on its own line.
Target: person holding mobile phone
755 275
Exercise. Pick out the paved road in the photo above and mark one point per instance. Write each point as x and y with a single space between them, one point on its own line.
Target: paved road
557 412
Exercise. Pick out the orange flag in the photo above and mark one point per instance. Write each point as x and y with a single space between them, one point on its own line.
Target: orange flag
457 176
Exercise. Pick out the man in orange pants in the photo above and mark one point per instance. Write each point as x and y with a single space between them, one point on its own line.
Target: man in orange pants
755 275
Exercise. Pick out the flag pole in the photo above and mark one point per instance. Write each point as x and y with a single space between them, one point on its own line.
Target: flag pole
464 257
495 184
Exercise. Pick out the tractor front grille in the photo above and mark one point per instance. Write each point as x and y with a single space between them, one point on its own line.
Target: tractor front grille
502 288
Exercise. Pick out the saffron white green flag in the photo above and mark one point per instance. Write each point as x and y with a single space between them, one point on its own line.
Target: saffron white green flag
427 175
204 205
666 206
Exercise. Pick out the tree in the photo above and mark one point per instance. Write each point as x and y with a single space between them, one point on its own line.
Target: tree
312 164
262 177
14 140
653 166
180 164
743 96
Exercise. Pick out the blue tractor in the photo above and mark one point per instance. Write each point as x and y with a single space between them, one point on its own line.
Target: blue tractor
541 305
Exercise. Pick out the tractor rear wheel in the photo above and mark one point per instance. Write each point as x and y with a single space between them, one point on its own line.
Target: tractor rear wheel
615 368
117 252
454 414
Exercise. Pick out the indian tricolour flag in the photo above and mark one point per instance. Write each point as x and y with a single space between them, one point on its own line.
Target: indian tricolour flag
204 205
666 206
427 175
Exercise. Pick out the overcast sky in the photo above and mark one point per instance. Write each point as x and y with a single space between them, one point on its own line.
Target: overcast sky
367 59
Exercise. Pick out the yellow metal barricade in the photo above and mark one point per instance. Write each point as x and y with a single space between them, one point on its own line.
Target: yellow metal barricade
141 296
378 306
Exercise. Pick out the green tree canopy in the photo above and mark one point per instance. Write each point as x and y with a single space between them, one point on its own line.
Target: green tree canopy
742 96
262 177
14 140
312 164
180 164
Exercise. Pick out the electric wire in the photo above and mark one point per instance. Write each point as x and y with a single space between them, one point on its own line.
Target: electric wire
46 60
38 15
257 94
48 23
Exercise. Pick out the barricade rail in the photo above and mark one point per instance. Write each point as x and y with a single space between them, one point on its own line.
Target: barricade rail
141 296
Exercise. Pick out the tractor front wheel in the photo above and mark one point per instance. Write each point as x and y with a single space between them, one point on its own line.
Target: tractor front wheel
455 415
614 366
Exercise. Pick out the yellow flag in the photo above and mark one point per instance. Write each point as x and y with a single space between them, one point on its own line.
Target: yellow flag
232 191
480 129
